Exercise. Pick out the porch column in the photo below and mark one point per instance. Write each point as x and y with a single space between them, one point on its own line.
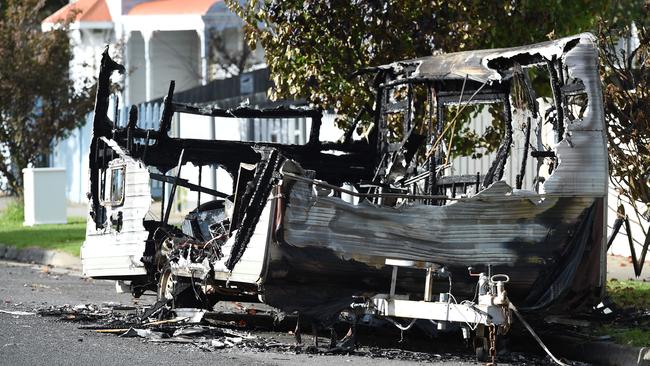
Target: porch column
127 73
148 35
203 53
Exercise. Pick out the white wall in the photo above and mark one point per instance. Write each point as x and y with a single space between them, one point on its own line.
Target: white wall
175 56
136 69
328 129
72 154
233 38
87 48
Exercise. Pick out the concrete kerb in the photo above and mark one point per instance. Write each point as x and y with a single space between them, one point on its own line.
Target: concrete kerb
40 256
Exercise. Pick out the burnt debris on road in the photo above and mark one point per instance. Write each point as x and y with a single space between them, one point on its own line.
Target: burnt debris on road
262 331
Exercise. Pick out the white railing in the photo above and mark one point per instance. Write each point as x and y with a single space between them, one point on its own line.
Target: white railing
148 115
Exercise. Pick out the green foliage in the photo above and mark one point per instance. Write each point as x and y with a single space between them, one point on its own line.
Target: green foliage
626 91
38 101
64 237
314 47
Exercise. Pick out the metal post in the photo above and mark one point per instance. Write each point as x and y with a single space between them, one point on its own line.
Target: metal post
393 282
162 201
198 203
172 191
428 285
203 54
148 35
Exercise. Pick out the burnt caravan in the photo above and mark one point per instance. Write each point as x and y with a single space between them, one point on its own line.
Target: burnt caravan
387 224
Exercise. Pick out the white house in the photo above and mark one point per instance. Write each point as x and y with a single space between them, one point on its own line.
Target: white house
157 41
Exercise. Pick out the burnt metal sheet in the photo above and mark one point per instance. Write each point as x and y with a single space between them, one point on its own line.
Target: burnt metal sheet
475 65
525 236
583 165
486 228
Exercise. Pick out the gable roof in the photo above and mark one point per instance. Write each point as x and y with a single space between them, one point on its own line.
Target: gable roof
87 11
173 7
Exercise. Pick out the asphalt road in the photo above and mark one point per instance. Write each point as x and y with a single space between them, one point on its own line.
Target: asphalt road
36 340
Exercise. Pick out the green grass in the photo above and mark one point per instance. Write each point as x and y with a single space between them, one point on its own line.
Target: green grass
63 237
636 337
634 294
630 293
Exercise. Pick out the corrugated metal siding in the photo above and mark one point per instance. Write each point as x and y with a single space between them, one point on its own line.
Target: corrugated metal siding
473 231
582 168
467 165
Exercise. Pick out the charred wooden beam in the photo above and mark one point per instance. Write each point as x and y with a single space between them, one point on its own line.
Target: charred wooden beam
543 154
496 170
522 170
167 112
172 191
245 112
253 202
556 84
102 127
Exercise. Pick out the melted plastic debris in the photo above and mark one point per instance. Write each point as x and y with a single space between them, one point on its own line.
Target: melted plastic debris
218 331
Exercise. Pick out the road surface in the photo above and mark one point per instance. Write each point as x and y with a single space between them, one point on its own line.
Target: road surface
36 340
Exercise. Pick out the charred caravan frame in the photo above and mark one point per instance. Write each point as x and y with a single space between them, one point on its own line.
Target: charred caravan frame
287 238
